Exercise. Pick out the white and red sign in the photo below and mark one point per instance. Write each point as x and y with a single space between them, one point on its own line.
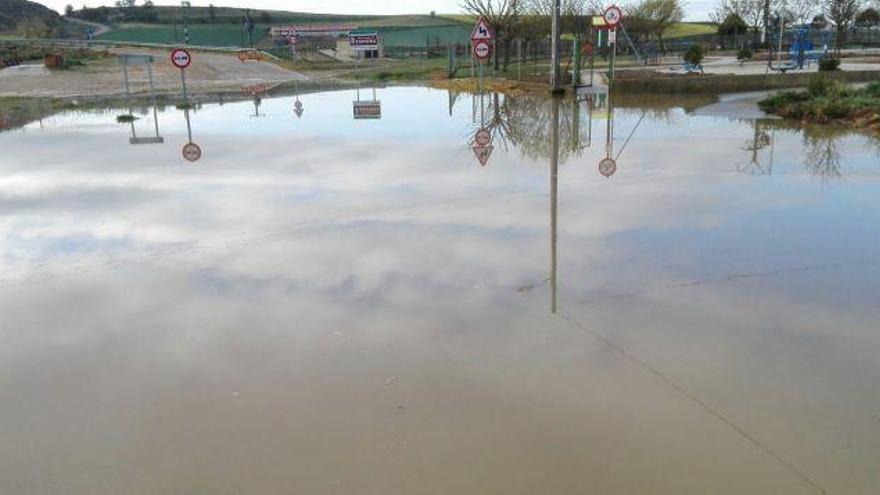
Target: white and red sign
181 58
482 138
607 167
191 152
613 15
482 50
364 41
482 31
250 54
483 153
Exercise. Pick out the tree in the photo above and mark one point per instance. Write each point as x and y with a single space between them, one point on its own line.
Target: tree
841 13
650 18
501 15
868 17
572 11
212 12
68 10
802 11
732 25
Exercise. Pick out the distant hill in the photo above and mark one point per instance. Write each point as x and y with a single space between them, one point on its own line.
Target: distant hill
28 18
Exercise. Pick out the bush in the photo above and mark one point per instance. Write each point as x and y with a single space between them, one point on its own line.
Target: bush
829 64
694 54
822 86
776 102
744 54
873 89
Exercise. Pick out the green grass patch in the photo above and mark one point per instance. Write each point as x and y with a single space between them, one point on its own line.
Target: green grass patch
825 101
685 29
219 35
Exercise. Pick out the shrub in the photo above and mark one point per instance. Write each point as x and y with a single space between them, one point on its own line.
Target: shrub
873 89
744 54
821 86
694 54
829 64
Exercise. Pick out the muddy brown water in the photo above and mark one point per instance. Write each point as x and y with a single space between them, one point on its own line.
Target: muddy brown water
326 305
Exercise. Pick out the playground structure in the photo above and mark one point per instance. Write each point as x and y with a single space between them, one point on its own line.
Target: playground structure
801 50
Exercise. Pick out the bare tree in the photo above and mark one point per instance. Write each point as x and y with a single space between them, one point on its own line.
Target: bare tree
501 15
802 11
841 13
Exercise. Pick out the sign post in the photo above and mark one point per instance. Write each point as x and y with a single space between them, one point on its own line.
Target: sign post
483 145
182 59
613 16
481 44
364 41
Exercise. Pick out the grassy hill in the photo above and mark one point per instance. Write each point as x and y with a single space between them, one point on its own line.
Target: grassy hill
28 19
223 26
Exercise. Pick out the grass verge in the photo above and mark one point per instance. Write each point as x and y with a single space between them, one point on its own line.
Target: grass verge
829 102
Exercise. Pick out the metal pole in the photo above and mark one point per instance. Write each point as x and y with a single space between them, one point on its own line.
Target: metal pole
183 83
519 60
554 193
125 76
613 55
556 78
153 98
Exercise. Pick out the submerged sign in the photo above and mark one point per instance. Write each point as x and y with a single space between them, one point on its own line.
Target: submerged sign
367 109
364 40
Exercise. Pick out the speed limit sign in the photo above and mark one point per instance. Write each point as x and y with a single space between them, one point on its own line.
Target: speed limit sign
607 167
613 15
181 58
191 152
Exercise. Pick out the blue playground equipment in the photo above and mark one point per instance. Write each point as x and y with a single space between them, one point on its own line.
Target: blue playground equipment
801 50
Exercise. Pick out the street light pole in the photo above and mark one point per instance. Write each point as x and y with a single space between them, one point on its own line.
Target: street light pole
556 78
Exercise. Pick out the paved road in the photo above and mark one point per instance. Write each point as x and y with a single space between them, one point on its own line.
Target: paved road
209 71
99 28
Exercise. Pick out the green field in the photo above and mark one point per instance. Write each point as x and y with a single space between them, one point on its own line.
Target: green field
684 29
200 34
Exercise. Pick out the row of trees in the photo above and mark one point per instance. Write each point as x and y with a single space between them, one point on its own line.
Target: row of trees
646 20
735 17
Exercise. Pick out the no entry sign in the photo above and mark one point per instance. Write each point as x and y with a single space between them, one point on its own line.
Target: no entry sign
181 58
482 50
191 152
613 15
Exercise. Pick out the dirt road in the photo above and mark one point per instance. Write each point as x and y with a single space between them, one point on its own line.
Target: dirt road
208 72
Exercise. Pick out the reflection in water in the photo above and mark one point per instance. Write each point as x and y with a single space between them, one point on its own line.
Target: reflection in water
759 141
823 157
155 139
250 309
191 151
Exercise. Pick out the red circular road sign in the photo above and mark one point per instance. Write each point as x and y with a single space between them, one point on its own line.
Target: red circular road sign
181 58
607 167
482 50
191 152
613 15
482 138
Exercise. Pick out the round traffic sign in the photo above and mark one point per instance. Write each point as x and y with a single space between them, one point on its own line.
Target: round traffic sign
482 137
607 167
191 152
613 15
181 58
482 50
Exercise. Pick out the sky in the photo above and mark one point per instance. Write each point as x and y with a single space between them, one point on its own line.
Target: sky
696 9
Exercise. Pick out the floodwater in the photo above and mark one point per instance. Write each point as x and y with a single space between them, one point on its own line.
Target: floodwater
324 305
